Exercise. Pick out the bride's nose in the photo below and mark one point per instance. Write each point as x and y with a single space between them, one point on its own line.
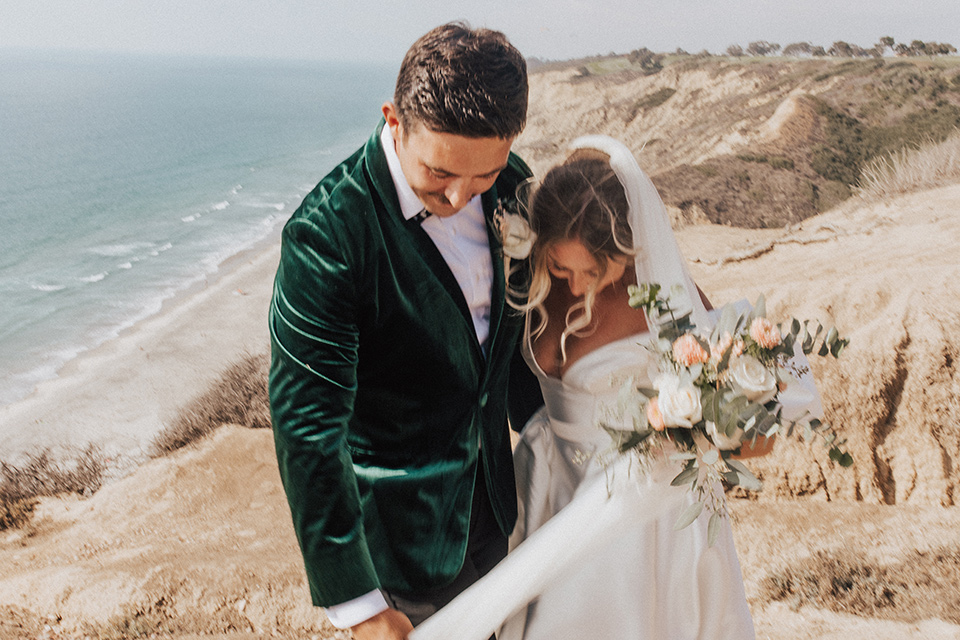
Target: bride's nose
579 283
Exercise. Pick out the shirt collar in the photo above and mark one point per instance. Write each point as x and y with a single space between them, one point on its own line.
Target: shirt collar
410 204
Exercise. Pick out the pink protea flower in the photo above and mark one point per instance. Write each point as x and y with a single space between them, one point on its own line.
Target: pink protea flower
654 417
687 351
764 333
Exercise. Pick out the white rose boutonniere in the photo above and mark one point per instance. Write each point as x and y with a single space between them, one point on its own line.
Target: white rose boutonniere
515 233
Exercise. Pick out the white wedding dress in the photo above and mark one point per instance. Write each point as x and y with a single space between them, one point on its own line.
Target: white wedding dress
641 579
594 555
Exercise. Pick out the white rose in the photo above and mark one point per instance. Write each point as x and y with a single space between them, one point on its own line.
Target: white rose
754 380
679 403
516 235
722 440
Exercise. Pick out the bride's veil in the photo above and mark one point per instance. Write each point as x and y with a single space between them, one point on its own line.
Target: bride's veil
658 258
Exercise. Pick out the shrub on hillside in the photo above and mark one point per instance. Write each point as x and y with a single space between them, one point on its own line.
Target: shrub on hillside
239 396
932 165
41 476
919 587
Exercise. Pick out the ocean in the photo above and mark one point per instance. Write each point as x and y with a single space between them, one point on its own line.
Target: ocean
126 179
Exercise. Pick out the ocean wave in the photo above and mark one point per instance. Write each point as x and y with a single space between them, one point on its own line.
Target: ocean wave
97 277
119 250
236 189
190 218
125 265
277 206
48 287
220 206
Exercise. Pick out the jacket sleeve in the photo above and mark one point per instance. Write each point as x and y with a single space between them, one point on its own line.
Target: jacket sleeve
313 380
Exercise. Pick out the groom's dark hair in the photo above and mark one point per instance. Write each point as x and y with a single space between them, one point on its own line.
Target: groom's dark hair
469 82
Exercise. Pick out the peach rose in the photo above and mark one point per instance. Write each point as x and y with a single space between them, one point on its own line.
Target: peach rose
764 333
654 417
687 351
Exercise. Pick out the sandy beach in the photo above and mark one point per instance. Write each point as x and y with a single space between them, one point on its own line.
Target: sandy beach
120 394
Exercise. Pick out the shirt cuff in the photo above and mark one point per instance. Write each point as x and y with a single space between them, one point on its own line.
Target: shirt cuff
353 612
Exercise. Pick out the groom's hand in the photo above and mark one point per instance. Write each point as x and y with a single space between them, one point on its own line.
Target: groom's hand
386 625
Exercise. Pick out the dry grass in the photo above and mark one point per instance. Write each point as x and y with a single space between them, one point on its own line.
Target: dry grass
238 397
41 476
918 587
909 170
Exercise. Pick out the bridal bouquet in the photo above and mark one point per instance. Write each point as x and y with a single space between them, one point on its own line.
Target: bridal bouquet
718 390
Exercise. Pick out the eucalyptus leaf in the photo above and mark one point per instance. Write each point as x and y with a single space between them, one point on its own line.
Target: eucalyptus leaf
686 476
711 457
760 309
687 517
695 371
713 529
710 402
747 479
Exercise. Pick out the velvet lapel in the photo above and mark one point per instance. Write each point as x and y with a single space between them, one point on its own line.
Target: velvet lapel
498 287
420 242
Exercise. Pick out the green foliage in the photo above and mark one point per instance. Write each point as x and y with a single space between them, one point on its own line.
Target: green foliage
708 170
846 148
777 162
648 61
650 101
656 98
850 144
780 162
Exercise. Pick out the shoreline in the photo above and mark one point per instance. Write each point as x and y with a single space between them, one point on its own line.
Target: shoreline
120 393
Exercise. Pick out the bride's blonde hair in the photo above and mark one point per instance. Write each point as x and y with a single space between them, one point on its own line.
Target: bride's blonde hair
580 199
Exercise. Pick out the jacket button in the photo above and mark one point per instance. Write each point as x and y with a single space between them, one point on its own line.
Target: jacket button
483 399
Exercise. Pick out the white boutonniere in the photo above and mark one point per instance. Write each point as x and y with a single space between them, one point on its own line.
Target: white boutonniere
516 236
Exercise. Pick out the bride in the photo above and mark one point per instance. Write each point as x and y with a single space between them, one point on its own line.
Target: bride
595 553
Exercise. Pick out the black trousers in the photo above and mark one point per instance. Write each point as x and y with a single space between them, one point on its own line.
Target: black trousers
486 546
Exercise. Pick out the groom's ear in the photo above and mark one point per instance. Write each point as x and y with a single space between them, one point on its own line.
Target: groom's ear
390 114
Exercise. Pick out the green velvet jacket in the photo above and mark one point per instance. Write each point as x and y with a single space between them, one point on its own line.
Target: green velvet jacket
379 391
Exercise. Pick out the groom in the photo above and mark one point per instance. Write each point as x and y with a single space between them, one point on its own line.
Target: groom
392 344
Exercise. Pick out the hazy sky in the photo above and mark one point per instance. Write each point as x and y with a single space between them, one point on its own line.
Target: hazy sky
367 30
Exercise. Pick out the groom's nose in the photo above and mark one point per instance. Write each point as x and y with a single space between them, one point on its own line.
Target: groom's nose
459 193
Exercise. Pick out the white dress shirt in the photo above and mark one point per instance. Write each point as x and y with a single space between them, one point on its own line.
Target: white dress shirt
463 243
460 238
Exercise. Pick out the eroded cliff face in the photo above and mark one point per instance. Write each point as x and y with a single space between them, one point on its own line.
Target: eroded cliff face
888 275
711 112
758 143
